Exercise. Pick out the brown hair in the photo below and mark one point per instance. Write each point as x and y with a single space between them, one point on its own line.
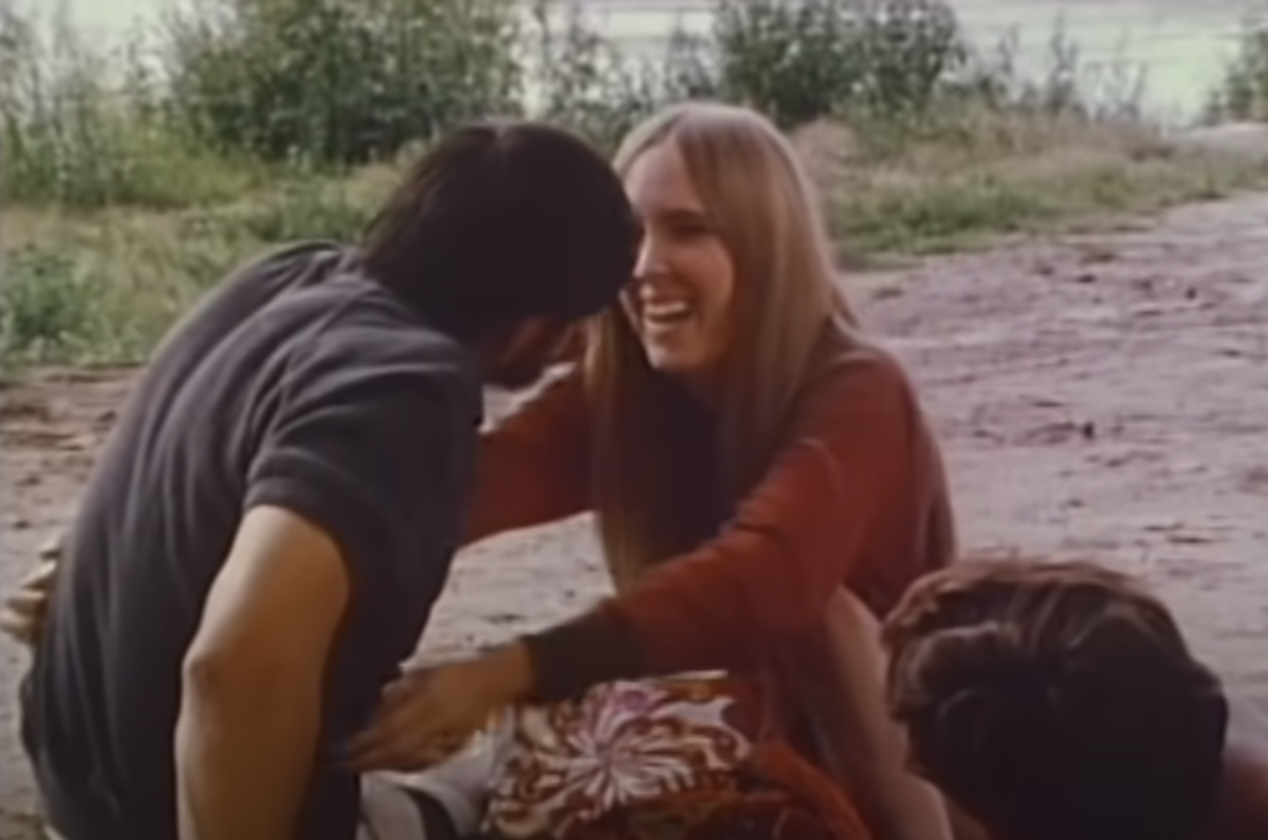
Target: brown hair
1056 702
666 472
503 221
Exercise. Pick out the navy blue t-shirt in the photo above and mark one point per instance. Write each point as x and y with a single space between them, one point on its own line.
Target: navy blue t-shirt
300 384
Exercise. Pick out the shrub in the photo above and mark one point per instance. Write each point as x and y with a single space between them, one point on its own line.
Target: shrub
45 305
338 82
796 60
802 60
1243 93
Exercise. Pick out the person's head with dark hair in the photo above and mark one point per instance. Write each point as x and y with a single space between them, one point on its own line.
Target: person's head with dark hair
504 234
1056 702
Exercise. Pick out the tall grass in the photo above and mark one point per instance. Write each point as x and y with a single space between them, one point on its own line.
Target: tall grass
86 128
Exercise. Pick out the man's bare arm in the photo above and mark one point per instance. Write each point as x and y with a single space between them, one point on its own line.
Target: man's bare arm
252 681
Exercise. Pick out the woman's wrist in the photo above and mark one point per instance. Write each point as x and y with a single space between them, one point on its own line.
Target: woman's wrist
512 665
569 658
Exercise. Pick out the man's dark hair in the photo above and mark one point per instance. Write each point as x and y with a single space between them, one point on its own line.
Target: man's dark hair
502 221
1056 702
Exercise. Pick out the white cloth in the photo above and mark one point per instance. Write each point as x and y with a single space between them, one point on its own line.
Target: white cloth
461 785
388 812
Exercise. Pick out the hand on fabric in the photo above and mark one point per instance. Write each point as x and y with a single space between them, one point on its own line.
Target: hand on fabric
26 608
427 716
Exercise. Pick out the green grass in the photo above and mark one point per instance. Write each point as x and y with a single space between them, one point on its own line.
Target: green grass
973 208
101 286
994 175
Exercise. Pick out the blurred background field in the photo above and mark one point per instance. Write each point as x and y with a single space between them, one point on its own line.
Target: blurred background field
142 162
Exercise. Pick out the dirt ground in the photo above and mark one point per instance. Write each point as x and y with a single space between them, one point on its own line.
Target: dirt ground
1101 395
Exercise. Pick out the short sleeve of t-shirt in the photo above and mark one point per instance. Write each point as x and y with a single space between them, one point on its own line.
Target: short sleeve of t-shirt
372 440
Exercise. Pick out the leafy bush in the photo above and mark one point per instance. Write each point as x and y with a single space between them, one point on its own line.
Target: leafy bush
802 60
1243 94
338 82
796 60
45 307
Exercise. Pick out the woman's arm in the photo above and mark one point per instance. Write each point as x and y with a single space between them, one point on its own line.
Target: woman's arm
837 497
534 465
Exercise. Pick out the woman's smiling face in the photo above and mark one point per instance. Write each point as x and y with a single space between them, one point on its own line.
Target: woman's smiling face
680 301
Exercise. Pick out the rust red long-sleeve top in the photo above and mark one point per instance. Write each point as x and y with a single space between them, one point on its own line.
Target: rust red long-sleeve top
857 496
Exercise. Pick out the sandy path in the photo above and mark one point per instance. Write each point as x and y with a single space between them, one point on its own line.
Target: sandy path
1105 395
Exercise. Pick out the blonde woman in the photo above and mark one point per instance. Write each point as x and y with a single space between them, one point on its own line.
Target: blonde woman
752 458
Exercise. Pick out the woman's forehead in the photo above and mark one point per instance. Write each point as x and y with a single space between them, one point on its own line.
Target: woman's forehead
659 183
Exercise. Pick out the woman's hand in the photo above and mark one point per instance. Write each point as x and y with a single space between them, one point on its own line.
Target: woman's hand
26 608
427 716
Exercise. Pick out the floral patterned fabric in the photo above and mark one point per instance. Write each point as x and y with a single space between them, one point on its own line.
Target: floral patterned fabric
692 758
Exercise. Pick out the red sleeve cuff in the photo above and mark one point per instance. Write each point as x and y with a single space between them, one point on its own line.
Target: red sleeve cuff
570 658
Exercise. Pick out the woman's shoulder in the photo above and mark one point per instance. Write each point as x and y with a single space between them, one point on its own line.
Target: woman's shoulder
851 367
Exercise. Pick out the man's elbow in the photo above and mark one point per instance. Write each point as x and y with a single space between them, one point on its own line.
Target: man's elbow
231 684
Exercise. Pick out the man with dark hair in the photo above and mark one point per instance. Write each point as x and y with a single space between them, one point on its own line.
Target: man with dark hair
1061 702
275 513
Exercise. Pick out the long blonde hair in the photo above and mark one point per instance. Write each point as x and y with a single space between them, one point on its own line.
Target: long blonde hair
667 474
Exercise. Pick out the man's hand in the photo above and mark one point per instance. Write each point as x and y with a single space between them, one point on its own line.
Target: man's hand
252 686
428 715
26 608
